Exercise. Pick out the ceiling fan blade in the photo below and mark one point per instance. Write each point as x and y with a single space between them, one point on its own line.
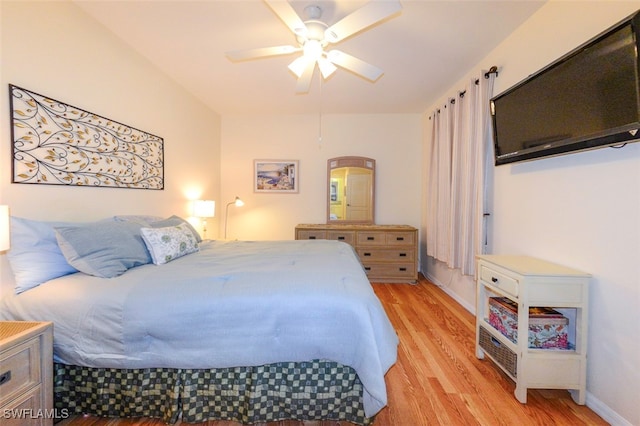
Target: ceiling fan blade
304 82
355 65
299 65
261 52
326 67
288 15
367 15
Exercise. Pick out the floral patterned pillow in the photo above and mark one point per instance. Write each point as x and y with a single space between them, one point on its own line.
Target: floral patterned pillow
169 243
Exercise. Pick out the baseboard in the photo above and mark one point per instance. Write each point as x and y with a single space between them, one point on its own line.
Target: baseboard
451 294
604 411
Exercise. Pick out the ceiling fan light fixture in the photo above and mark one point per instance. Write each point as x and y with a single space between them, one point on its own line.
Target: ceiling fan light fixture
313 49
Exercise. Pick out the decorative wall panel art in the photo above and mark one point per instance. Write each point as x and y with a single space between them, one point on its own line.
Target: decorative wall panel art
58 144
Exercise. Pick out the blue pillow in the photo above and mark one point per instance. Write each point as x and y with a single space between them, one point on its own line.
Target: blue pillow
103 249
35 256
142 219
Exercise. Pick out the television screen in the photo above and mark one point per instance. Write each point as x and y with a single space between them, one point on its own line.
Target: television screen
587 99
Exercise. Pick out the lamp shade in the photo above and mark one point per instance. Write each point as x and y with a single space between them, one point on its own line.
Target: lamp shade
204 208
4 228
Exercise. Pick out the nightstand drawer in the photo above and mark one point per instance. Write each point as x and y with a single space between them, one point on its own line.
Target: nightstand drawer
30 406
499 280
19 369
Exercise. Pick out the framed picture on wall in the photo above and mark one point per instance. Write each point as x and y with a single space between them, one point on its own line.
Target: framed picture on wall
275 176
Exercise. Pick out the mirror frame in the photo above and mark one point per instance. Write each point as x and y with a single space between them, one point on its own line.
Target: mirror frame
362 162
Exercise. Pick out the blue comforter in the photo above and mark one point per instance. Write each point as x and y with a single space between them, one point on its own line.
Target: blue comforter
230 304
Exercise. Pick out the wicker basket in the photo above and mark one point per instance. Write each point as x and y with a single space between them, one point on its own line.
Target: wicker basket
499 352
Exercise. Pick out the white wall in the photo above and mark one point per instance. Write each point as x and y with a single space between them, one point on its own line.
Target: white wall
393 140
54 49
581 210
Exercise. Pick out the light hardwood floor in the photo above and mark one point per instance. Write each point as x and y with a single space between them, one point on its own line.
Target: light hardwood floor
437 379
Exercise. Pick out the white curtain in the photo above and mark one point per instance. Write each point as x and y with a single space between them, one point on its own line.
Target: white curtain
459 155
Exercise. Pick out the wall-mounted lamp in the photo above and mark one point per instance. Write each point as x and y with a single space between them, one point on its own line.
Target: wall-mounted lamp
204 209
239 203
5 239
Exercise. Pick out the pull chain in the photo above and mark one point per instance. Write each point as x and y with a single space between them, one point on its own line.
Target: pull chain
320 117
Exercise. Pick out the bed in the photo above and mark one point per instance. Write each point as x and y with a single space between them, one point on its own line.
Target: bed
232 330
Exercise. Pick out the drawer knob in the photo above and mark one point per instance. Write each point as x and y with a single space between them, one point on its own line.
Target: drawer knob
367 268
403 255
312 237
371 238
5 377
341 238
494 279
399 238
367 254
403 269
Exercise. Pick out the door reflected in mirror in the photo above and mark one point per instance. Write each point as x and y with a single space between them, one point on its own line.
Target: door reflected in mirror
351 194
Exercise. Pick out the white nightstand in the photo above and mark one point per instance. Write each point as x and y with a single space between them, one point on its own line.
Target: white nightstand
531 282
26 373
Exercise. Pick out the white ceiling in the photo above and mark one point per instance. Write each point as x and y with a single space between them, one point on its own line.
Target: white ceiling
423 50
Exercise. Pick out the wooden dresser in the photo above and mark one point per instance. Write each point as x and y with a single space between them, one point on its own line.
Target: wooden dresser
389 253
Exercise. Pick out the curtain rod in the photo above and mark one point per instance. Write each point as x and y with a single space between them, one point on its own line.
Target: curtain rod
492 70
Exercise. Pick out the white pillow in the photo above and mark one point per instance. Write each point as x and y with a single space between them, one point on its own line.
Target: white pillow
169 243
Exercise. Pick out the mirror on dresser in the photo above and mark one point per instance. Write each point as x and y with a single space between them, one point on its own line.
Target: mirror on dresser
351 190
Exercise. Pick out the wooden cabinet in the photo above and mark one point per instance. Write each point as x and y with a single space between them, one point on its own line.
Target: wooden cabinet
531 282
26 373
389 253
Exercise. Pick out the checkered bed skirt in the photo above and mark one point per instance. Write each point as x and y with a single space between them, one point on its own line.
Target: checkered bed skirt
314 390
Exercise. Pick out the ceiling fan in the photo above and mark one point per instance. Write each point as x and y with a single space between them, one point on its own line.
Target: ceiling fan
314 35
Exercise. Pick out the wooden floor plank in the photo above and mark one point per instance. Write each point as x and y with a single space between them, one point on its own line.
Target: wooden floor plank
437 379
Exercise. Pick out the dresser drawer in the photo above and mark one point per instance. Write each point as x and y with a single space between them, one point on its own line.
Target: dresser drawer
371 238
499 280
348 237
400 238
382 271
387 255
311 234
19 369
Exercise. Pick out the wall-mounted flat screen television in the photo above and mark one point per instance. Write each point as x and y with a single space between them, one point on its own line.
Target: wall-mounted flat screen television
589 98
